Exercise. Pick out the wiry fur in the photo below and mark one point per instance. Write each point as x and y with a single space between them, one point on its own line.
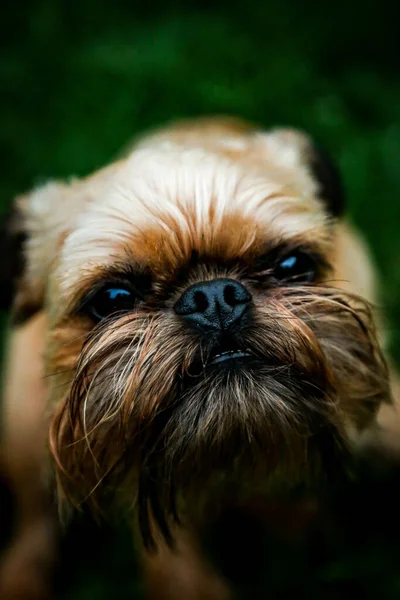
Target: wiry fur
137 406
136 415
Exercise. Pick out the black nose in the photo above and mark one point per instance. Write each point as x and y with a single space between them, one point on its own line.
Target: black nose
214 305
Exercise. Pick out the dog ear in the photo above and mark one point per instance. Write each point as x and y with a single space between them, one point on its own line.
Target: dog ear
12 239
326 173
296 151
30 231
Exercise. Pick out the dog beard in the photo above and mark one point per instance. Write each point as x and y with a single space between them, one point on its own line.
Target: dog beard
152 416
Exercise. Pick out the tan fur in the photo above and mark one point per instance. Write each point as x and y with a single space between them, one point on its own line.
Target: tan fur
182 571
360 276
221 189
24 569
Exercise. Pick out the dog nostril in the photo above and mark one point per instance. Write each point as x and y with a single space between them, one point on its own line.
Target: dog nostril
230 295
213 305
201 302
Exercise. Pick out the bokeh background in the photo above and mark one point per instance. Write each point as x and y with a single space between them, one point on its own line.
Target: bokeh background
78 78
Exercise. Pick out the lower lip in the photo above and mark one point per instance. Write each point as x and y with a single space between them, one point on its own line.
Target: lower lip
229 356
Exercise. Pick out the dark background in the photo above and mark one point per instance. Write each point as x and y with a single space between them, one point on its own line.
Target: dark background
79 78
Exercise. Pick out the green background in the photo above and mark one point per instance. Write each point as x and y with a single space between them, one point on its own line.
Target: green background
79 78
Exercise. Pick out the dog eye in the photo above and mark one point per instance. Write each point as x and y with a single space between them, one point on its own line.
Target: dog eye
298 267
111 300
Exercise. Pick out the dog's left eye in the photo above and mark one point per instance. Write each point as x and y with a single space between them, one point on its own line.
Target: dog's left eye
298 267
110 300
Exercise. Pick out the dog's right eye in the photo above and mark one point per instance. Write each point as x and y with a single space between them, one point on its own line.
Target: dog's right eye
109 301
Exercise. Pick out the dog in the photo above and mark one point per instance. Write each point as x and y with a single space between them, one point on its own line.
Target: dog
192 327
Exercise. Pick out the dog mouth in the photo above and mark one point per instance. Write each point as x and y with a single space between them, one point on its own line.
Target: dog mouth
225 355
227 350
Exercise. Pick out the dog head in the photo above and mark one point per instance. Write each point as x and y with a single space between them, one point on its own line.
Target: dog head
198 334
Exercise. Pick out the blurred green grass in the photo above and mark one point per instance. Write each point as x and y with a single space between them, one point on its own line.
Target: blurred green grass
78 79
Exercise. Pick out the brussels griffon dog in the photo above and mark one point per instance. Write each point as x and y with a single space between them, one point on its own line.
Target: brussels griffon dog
192 328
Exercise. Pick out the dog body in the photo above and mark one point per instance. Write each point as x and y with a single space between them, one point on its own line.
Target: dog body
191 322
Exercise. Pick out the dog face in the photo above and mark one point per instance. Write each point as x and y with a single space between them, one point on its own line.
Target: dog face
198 336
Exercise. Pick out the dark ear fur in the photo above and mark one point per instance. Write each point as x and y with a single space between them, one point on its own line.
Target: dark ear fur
12 238
327 175
309 154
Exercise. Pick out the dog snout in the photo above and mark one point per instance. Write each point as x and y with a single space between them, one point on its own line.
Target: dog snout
215 305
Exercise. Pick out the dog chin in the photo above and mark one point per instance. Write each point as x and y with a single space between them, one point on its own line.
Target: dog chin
243 424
